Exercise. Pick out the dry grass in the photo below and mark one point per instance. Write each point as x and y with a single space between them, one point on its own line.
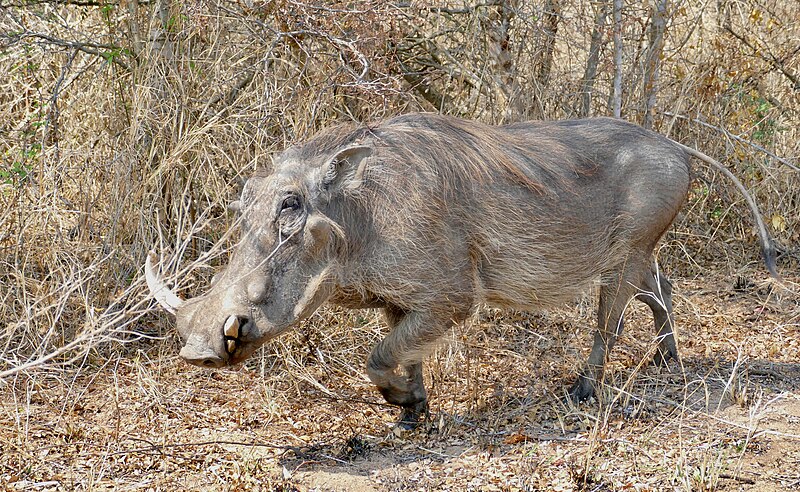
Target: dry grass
125 127
301 415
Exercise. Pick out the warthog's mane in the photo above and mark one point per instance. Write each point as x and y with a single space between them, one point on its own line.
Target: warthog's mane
458 152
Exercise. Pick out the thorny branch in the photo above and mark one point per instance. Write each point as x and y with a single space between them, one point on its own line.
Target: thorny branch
84 46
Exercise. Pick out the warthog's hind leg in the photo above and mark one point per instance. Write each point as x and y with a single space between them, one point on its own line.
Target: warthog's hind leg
614 298
650 287
657 294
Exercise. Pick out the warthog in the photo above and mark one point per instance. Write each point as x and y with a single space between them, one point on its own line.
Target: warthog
426 217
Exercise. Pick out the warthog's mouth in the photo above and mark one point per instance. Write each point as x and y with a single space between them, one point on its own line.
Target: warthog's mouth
238 346
231 334
200 349
234 345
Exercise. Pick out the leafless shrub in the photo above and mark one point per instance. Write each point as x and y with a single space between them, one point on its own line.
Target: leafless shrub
126 125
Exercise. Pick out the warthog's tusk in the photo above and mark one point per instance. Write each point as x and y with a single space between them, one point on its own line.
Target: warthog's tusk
158 289
232 327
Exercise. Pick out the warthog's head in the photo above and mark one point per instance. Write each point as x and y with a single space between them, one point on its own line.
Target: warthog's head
284 265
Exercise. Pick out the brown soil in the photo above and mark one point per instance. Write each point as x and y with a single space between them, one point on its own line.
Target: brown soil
302 416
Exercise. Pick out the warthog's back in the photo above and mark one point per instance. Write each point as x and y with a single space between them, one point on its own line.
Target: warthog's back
525 215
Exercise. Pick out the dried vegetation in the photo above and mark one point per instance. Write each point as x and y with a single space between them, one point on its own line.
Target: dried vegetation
127 125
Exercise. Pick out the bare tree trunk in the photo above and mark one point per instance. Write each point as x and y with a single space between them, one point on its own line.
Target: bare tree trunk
544 62
616 101
552 15
500 51
159 37
594 56
132 7
653 60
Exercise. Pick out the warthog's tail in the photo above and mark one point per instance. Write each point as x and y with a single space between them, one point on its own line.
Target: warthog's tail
767 247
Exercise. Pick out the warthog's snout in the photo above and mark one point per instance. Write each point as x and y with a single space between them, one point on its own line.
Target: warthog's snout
200 354
225 345
204 352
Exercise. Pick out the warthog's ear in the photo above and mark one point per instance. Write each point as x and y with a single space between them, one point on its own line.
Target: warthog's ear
346 168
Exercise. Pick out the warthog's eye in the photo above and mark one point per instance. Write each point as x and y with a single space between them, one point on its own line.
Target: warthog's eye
290 203
290 216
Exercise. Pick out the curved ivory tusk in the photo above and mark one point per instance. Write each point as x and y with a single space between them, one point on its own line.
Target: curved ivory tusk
159 290
232 327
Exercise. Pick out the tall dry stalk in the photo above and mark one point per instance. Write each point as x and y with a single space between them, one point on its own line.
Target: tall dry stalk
120 139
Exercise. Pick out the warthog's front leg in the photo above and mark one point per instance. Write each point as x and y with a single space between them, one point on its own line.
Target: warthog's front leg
412 336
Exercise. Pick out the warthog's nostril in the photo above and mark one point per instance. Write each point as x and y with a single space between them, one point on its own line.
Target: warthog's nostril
198 352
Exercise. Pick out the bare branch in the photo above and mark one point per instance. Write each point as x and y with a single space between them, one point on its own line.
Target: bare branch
110 54
451 10
776 62
733 137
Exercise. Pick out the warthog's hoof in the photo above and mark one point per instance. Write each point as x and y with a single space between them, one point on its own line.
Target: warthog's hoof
662 357
581 390
412 416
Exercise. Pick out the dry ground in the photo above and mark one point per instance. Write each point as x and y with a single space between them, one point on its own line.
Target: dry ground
302 415
125 125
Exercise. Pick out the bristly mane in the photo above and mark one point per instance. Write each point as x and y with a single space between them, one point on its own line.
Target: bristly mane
458 151
472 151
